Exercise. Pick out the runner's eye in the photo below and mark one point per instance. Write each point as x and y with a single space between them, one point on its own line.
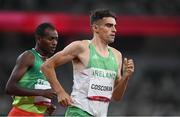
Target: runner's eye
109 25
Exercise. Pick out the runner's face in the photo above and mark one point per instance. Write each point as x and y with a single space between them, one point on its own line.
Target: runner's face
106 29
49 42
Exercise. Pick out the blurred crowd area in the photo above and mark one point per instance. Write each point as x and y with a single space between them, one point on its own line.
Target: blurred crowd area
154 87
134 7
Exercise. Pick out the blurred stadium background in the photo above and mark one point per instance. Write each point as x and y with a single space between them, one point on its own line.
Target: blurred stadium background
148 32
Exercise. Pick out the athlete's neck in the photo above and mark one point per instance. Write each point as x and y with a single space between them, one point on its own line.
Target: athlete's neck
101 46
42 54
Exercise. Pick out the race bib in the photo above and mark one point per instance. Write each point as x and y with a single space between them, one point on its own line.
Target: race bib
40 100
101 84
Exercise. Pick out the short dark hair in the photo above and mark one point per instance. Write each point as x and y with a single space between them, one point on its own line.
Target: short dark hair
99 14
40 30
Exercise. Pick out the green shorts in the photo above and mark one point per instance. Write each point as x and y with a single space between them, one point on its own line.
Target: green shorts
73 111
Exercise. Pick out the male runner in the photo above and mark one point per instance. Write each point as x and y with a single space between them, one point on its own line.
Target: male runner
96 67
30 89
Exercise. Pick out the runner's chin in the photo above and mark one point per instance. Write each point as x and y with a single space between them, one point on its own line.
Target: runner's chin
111 39
52 51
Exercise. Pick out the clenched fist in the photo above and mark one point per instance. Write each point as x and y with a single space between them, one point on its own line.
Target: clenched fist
128 67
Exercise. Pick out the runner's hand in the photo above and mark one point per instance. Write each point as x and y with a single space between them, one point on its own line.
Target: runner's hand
50 109
49 93
65 99
128 67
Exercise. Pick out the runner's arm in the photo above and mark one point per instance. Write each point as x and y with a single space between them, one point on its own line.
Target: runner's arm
48 68
23 63
61 57
122 81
